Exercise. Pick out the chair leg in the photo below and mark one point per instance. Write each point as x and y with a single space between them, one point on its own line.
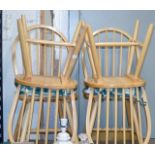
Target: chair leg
107 115
127 105
98 117
116 115
136 125
93 114
88 116
56 115
31 113
131 114
69 115
124 116
21 118
139 111
60 110
17 130
48 116
39 117
42 123
25 123
64 106
75 119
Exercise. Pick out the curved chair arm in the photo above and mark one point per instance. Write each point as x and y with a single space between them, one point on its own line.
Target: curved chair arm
11 115
15 70
148 117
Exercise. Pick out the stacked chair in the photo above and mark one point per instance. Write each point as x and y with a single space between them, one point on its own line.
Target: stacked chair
117 101
43 82
112 62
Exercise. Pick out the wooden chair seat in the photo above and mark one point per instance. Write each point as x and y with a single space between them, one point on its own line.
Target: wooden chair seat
115 82
46 82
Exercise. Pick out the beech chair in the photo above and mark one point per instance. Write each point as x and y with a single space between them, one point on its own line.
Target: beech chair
45 91
117 110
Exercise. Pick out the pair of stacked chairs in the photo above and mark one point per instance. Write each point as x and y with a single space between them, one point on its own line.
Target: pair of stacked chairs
45 91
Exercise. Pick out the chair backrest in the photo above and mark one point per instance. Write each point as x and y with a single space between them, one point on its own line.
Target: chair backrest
115 53
45 51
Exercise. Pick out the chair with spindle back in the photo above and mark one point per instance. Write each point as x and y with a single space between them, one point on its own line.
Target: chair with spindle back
43 80
117 100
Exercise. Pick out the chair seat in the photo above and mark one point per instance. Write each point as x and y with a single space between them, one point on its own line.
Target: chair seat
46 82
115 82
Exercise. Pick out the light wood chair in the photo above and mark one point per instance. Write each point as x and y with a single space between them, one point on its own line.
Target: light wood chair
117 101
45 91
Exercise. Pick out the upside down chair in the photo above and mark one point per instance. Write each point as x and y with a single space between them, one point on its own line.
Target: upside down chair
45 91
118 109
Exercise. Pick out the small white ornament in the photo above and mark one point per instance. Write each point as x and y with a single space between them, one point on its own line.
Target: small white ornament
63 137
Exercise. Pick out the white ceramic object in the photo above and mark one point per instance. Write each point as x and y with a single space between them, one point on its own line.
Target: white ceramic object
63 137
